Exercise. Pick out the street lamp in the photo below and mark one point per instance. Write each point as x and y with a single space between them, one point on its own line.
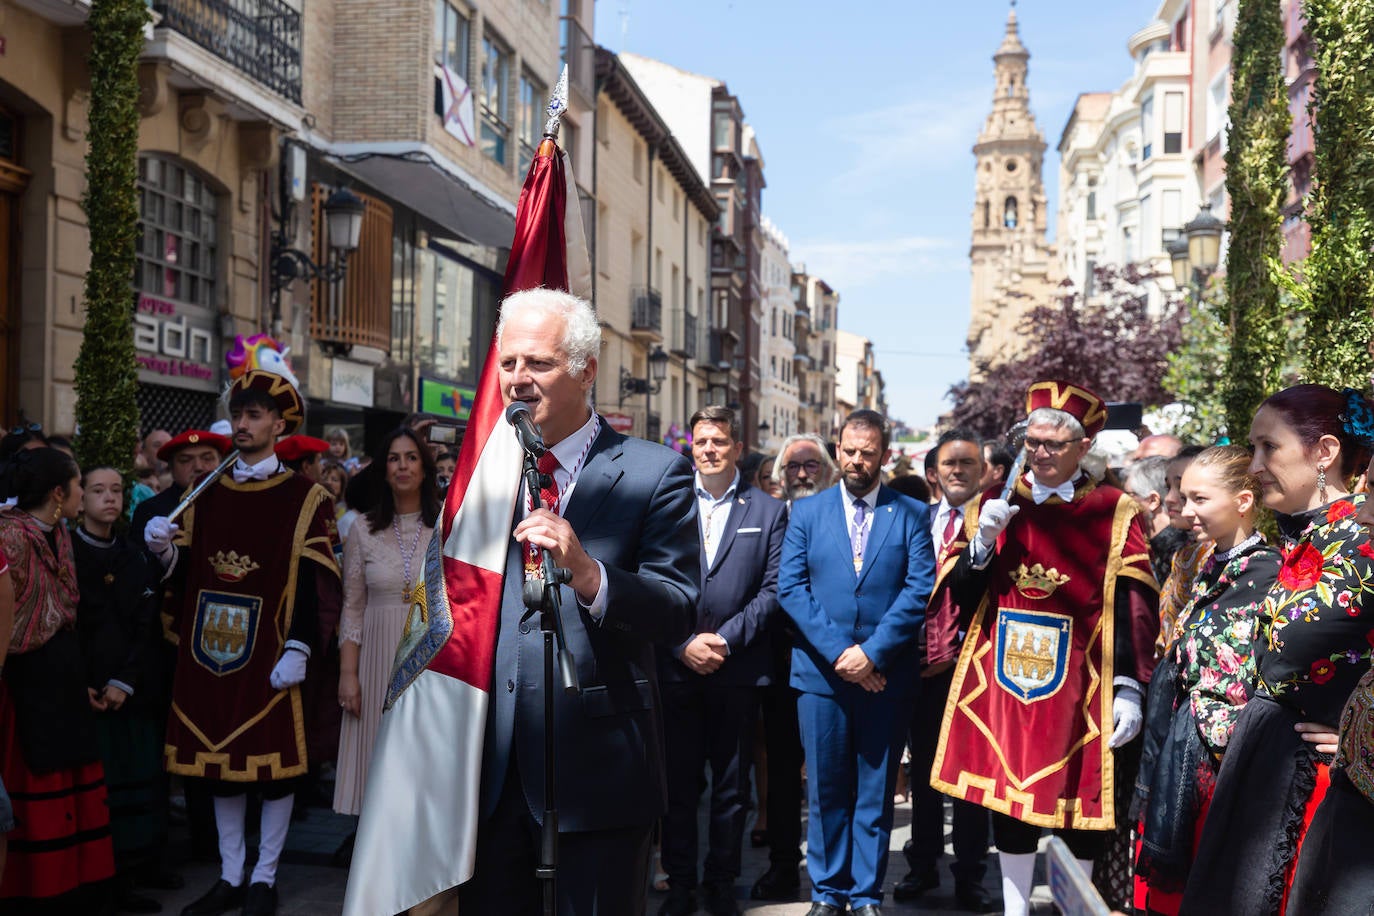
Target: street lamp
631 384
343 217
1204 241
1178 260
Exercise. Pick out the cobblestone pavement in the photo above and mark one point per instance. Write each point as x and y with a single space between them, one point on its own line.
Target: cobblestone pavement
310 884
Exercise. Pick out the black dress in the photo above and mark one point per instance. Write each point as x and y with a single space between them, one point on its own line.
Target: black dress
118 628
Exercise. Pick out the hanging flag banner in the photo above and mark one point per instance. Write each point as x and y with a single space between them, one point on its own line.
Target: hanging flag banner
455 105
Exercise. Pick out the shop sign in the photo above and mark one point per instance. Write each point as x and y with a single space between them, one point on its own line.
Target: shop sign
620 422
351 383
177 344
444 400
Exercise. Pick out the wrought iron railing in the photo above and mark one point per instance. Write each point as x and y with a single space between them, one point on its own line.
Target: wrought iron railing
262 38
647 313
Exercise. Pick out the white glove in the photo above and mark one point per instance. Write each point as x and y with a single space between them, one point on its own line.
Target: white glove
290 670
993 518
1126 716
158 536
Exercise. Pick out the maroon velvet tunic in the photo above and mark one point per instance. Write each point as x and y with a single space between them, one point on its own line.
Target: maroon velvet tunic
245 544
1030 709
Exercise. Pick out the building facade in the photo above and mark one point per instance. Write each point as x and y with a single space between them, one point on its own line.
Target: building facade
778 403
1013 266
652 262
817 307
709 122
1127 181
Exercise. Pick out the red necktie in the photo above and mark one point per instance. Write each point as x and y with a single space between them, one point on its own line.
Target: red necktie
548 495
951 526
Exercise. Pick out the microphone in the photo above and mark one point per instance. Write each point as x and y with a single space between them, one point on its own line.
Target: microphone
531 440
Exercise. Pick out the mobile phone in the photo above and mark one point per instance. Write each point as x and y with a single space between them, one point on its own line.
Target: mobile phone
444 435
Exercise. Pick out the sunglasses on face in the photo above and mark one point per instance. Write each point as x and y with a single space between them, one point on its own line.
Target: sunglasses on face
813 466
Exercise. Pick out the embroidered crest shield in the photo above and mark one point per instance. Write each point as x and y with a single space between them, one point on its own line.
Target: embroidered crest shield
1032 652
225 629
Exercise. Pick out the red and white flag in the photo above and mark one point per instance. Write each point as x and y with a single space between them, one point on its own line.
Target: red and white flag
418 832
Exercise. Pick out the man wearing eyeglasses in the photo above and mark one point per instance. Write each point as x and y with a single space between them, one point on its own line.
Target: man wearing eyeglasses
1060 602
804 468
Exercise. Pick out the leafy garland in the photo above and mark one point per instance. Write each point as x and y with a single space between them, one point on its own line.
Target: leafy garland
106 369
1256 184
1340 271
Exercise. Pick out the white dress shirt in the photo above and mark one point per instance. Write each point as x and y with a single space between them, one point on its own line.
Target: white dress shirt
871 500
712 514
569 451
940 520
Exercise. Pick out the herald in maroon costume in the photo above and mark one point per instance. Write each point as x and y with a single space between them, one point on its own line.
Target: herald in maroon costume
236 608
1030 709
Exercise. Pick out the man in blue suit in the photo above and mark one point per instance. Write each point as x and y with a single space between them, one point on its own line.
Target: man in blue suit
621 517
857 568
711 682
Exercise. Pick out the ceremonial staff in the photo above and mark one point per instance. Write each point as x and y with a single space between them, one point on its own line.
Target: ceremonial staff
204 484
1016 437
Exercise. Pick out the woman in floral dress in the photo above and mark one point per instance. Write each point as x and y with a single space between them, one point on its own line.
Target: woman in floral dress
1211 671
1335 871
1312 649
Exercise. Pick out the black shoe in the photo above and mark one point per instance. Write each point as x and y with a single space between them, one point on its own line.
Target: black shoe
824 909
868 909
129 902
261 900
221 898
720 900
914 885
778 883
972 896
680 902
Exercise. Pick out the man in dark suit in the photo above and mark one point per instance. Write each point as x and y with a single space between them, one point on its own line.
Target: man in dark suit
620 515
711 682
857 569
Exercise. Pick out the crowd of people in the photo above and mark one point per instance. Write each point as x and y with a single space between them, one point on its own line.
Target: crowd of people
1167 664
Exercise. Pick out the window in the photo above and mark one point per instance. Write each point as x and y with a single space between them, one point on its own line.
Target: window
456 310
1149 230
722 133
495 98
450 38
1217 99
1171 211
179 233
1009 213
1173 122
1092 199
532 102
1147 128
639 162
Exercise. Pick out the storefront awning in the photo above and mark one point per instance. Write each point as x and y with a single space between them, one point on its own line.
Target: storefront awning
428 190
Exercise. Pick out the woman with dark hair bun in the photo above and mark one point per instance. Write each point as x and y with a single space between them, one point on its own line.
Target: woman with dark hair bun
60 852
384 558
1312 647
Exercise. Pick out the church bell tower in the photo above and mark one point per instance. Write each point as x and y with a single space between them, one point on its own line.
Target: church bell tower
1008 229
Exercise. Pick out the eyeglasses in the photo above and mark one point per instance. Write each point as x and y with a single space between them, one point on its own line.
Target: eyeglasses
812 467
30 428
1051 446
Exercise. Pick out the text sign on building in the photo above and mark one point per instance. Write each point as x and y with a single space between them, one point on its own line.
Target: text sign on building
177 344
351 383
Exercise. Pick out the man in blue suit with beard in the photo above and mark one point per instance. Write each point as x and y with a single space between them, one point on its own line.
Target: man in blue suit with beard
857 568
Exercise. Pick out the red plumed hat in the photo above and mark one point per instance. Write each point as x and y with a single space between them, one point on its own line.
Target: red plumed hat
1075 400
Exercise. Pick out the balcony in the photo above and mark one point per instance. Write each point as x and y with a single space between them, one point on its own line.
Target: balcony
260 38
684 337
578 52
646 315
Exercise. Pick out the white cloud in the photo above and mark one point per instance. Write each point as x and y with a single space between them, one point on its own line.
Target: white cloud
910 139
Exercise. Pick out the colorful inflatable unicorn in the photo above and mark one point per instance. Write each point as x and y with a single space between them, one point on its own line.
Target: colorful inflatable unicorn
259 352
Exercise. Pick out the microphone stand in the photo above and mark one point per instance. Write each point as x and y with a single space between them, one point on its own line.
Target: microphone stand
545 596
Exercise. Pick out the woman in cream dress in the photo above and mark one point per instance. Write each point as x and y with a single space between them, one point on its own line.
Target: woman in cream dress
383 563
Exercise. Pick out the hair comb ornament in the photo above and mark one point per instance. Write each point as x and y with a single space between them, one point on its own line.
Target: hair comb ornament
1358 418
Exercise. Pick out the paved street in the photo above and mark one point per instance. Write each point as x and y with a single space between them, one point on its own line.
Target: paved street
310 886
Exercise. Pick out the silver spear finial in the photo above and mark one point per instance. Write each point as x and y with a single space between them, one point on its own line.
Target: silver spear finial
558 103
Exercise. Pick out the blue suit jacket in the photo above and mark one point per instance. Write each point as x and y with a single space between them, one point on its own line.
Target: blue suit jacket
881 608
739 592
634 510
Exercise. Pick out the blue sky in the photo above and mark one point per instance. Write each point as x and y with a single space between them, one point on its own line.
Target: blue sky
866 113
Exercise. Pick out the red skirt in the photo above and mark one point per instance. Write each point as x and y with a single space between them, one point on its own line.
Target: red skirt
61 838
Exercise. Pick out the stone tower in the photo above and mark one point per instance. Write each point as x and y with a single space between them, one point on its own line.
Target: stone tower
1013 266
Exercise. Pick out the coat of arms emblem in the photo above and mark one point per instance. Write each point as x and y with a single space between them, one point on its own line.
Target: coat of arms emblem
1032 652
225 629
